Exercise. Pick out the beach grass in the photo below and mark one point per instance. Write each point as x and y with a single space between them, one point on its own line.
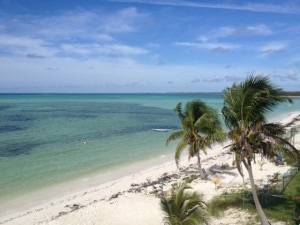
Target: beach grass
277 206
235 199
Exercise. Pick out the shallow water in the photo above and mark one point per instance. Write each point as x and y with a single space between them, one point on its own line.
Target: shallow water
49 139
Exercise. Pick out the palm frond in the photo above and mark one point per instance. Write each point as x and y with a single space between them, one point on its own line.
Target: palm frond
184 207
179 149
174 136
286 147
178 110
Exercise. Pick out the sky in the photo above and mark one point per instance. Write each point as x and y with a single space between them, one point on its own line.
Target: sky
152 46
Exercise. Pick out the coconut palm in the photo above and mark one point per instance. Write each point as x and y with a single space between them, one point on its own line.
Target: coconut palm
184 208
201 128
245 107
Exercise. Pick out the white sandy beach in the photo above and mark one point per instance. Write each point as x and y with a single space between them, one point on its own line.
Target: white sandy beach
127 195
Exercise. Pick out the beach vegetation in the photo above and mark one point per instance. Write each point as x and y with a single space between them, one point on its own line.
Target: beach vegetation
234 199
190 179
278 206
184 207
201 128
246 105
282 205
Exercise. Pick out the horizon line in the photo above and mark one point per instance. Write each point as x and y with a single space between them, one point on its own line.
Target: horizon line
70 93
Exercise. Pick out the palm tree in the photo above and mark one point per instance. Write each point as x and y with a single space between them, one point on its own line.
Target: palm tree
245 108
184 208
201 128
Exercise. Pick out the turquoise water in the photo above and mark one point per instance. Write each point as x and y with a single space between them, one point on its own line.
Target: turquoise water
48 139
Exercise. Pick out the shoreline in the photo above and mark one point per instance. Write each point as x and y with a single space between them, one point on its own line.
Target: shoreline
284 118
139 172
116 188
56 191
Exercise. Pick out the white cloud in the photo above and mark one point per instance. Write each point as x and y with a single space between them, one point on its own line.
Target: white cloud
76 25
37 48
77 49
214 47
212 39
113 50
79 32
103 37
114 75
87 47
259 30
25 46
228 31
88 24
15 41
272 48
67 25
122 21
77 71
217 33
213 79
125 50
291 75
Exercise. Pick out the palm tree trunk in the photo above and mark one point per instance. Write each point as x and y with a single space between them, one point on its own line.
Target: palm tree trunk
202 175
261 214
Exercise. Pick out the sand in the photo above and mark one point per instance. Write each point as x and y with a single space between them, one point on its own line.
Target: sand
129 195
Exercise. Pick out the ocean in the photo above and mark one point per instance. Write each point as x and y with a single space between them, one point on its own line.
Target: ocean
48 139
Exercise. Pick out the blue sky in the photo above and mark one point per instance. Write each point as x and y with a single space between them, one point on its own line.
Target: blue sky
146 46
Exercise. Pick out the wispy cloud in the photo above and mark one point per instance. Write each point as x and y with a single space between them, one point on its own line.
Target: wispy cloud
122 21
123 50
51 68
112 50
195 81
157 60
214 47
217 79
233 78
213 79
272 48
291 75
78 32
77 24
35 56
227 31
17 45
37 48
254 7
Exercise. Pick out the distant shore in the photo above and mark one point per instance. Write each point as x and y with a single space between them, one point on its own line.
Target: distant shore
292 93
127 195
